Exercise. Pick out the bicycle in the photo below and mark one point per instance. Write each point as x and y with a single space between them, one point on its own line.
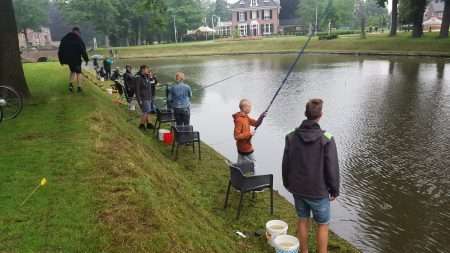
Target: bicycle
11 103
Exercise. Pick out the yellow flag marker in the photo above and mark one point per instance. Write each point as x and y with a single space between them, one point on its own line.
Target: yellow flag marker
41 184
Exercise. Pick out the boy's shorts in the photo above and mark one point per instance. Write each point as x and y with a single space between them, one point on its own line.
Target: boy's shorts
320 209
146 106
75 68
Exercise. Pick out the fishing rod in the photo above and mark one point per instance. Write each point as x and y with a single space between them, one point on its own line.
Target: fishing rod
297 59
217 82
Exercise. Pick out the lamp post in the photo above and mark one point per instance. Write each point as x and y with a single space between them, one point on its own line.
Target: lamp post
175 29
212 21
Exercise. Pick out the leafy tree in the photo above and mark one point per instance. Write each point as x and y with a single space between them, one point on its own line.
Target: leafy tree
361 13
188 14
221 10
11 71
376 15
445 20
344 13
394 15
100 13
31 14
339 13
288 9
412 12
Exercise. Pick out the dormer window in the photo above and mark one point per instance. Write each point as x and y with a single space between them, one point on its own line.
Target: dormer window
254 3
242 2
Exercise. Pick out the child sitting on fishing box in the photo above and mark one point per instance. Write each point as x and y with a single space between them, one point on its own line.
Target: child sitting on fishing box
243 131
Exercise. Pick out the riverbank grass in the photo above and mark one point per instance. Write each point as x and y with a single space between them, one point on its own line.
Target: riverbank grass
402 44
113 188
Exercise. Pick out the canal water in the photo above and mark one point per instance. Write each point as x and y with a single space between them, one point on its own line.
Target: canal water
391 121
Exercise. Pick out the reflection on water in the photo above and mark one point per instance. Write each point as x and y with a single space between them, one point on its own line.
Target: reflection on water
391 121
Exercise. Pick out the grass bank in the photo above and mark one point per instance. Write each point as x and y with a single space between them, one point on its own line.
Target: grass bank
111 187
375 44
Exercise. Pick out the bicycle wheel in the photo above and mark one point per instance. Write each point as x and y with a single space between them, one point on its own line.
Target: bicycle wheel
1 114
13 102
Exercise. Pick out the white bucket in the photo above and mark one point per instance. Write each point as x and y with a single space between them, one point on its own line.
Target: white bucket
110 91
275 228
286 244
132 107
102 79
161 133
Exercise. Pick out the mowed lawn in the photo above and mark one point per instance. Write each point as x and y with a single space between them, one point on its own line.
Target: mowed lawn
113 188
375 43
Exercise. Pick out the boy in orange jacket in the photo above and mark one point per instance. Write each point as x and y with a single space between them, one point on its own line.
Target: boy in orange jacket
243 131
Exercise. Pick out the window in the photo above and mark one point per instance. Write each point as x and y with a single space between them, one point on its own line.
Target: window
268 29
254 3
255 29
243 30
267 14
254 15
242 16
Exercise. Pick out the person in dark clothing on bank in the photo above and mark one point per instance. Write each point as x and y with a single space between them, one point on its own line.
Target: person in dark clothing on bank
144 96
107 65
154 82
129 82
95 63
311 174
70 52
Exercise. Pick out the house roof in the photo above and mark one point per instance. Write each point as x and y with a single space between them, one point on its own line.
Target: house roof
246 4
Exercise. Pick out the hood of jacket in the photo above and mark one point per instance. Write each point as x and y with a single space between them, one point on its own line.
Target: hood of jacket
309 131
239 115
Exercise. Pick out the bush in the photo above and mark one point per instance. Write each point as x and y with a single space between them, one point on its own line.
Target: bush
328 37
338 32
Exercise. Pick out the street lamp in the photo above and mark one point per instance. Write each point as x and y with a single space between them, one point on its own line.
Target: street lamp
175 29
212 21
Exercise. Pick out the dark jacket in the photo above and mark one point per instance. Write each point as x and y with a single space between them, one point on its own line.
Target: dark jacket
310 162
72 49
129 81
143 88
154 82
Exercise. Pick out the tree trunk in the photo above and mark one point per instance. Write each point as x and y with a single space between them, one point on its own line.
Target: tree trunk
107 44
25 34
418 18
139 34
418 26
11 71
445 20
394 18
363 28
362 17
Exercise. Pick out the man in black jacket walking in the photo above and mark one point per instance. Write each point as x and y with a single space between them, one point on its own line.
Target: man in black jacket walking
71 50
311 174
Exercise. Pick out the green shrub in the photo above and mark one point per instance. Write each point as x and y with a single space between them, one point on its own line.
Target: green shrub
328 37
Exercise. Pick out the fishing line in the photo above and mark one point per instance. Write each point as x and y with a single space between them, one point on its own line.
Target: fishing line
213 83
297 59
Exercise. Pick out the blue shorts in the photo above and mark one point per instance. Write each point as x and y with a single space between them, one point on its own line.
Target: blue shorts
146 106
320 209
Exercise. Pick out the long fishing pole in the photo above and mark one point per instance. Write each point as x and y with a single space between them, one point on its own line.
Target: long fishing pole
219 82
297 59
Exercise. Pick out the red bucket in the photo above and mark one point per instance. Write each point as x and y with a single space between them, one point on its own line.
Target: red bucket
168 138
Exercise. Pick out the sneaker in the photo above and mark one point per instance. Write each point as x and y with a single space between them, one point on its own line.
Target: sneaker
142 127
70 87
79 90
150 126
